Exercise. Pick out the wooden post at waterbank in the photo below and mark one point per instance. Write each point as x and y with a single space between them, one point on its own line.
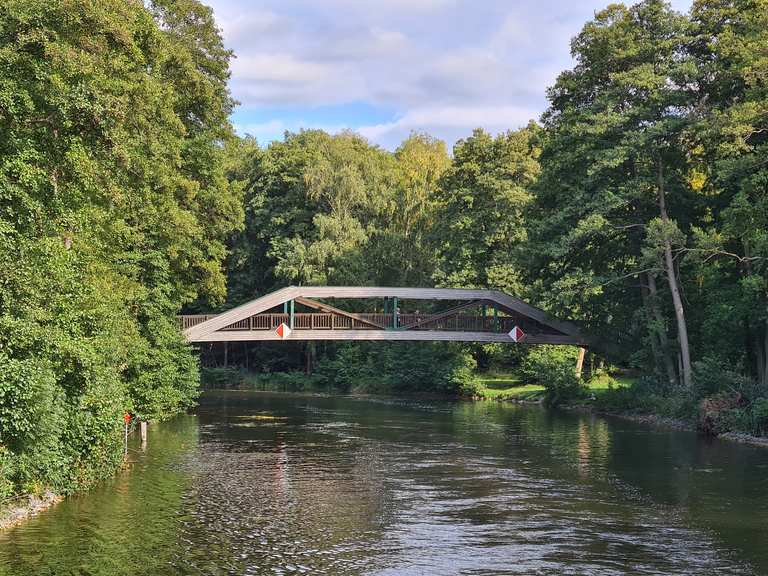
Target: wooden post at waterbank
143 430
580 361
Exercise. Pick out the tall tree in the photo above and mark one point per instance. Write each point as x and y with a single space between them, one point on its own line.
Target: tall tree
731 46
401 245
614 199
480 229
312 204
114 208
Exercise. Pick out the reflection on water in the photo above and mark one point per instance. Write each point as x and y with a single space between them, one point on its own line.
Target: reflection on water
281 484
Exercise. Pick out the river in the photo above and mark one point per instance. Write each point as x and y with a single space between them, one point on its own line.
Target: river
260 483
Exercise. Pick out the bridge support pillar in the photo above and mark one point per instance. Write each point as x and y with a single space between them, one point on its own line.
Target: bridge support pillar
394 312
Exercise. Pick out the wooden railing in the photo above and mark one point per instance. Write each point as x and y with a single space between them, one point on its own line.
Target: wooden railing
328 321
190 320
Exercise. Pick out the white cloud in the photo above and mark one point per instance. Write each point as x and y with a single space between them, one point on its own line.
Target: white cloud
275 67
452 120
244 25
442 65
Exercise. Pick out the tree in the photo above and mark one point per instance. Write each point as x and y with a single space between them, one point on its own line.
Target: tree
479 225
614 200
400 244
731 250
312 205
114 208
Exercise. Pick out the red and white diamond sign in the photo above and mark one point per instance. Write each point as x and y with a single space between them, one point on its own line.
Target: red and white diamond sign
516 334
283 330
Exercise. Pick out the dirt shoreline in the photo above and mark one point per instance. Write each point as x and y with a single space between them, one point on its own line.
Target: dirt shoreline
26 507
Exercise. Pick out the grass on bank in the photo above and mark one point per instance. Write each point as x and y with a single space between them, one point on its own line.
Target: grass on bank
508 386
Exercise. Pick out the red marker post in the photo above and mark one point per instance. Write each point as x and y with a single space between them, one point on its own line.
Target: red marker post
127 420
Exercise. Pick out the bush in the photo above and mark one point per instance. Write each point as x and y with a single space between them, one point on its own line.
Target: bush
554 367
396 368
721 413
712 376
760 416
650 396
542 357
745 418
238 379
221 378
295 381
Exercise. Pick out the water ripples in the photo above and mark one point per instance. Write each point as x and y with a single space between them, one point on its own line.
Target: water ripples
262 484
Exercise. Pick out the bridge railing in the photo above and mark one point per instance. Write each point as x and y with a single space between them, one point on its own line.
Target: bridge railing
189 320
329 321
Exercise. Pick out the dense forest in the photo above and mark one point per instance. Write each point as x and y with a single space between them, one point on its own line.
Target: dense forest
636 206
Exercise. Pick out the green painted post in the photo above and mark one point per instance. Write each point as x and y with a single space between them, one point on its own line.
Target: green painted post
495 319
290 325
394 312
285 307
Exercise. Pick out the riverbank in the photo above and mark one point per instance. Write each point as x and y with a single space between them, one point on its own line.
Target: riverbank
617 397
614 396
507 386
25 507
668 423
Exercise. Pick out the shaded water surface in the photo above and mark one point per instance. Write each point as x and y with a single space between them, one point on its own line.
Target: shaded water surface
259 483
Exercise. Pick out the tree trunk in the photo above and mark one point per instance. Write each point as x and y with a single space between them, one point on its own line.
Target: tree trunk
308 357
761 347
756 340
669 261
661 334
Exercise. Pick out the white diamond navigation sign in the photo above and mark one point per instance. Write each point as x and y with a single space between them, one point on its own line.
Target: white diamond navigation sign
516 334
283 330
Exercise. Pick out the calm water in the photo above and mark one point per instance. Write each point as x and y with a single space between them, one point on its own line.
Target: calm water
277 484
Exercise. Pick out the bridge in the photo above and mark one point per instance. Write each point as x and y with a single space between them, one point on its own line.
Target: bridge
302 313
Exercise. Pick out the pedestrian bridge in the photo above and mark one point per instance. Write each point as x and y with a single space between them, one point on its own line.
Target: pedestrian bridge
302 313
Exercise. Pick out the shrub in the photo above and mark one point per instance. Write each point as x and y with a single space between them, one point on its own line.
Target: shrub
722 412
712 376
554 368
760 416
650 396
539 358
221 378
389 368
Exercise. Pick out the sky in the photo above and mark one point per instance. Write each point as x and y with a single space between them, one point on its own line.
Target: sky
387 68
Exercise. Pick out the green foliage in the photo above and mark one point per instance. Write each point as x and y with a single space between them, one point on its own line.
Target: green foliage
479 227
402 368
289 381
647 396
554 367
115 205
537 357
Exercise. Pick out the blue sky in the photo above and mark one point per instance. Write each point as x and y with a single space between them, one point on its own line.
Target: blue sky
386 68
